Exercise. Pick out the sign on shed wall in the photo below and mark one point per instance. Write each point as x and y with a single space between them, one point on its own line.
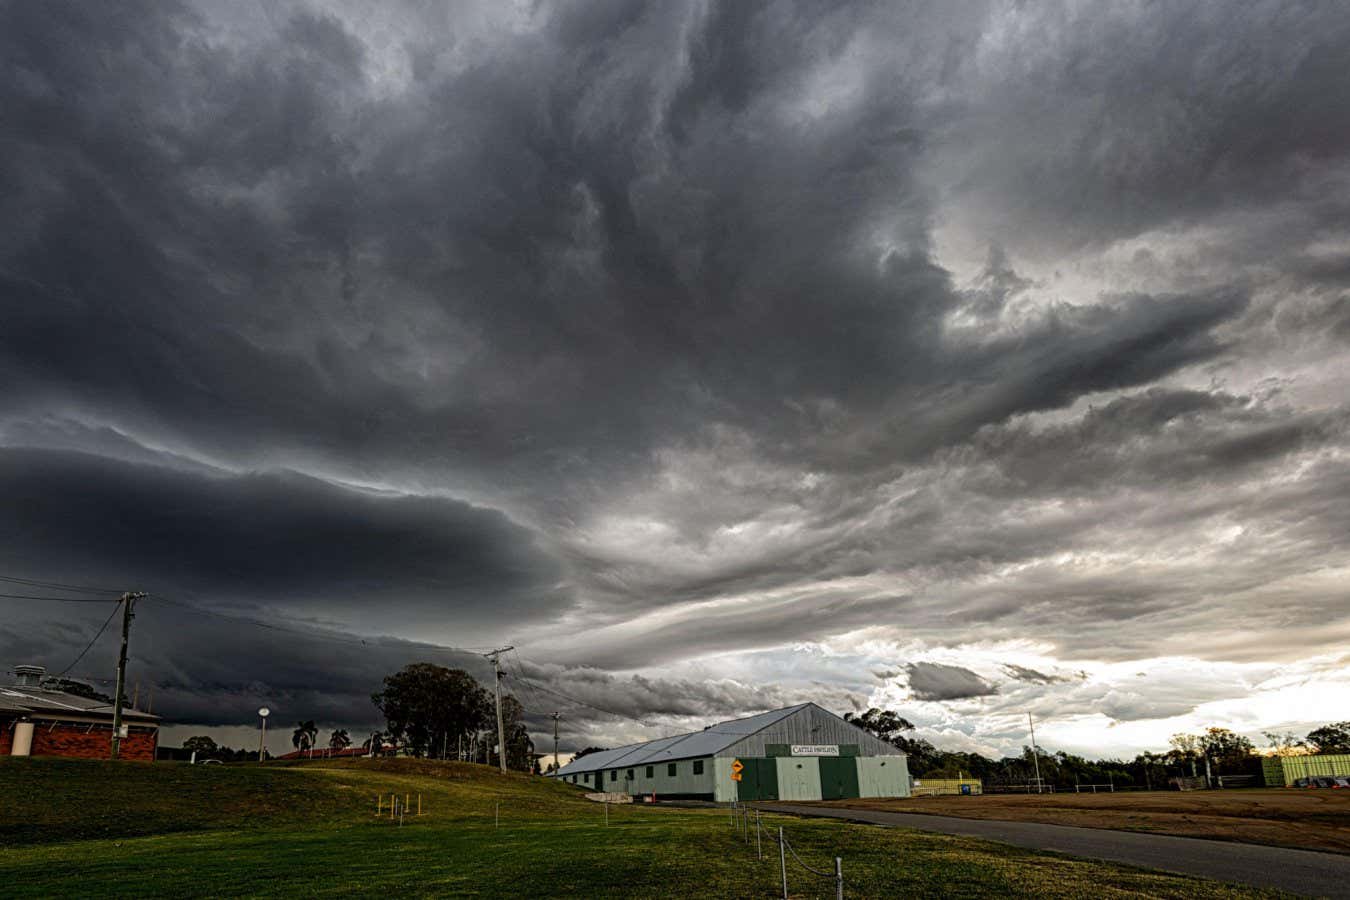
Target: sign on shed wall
815 749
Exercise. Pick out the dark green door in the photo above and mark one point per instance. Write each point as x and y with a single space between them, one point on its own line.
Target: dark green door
766 778
838 778
759 780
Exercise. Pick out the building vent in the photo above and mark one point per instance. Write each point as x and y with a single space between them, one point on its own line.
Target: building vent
30 676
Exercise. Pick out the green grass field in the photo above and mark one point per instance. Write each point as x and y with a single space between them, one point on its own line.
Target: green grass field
92 829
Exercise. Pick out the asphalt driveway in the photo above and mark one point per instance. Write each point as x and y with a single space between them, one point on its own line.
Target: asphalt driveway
1300 871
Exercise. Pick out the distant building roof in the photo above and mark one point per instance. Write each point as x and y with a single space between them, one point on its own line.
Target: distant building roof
707 742
325 753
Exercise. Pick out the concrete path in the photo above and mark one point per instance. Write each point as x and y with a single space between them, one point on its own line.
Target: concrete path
1300 871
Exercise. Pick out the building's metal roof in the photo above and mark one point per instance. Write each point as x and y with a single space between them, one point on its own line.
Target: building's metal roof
707 742
29 700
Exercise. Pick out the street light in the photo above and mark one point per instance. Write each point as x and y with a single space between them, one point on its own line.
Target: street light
262 732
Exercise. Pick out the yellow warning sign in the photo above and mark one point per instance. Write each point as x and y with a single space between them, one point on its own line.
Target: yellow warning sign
737 766
735 776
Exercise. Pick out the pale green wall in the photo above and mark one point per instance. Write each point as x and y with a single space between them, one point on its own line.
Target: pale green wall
684 782
883 776
725 787
798 778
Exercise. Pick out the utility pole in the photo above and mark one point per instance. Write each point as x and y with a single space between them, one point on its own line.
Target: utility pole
1035 754
119 696
501 727
556 715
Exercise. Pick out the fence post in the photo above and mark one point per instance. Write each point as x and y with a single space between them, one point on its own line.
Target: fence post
606 811
497 814
759 847
838 878
782 860
393 806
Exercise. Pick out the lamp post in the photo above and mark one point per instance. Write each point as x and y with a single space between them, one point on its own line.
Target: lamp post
262 732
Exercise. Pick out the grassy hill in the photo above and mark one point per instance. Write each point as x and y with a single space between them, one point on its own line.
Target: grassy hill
117 829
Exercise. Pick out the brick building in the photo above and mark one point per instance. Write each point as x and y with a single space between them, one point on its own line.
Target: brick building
40 721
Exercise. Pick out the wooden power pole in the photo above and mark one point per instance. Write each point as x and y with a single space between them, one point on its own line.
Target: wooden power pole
120 694
501 727
555 744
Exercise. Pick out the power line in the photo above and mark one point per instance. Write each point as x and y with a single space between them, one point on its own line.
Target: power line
370 643
55 599
563 696
79 588
93 641
520 668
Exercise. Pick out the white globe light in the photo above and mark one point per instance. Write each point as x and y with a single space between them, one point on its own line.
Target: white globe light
264 712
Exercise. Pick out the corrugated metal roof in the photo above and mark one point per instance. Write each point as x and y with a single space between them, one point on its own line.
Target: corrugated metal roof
37 700
681 746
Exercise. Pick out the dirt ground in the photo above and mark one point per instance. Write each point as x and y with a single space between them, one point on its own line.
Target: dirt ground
1311 820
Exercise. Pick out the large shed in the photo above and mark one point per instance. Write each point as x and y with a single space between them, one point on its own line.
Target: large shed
802 752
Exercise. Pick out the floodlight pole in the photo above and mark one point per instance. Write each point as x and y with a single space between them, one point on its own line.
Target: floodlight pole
501 727
1035 756
263 713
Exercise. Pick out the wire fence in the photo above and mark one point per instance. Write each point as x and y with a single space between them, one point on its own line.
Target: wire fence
744 820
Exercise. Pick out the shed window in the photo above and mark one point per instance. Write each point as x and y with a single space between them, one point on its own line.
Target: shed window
613 774
670 770
651 772
698 767
630 774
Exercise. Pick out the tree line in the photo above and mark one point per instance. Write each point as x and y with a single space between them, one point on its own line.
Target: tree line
429 711
432 711
1226 752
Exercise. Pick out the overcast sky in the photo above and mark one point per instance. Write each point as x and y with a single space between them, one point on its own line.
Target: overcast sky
966 359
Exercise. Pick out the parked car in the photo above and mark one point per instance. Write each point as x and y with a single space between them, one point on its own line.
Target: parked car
1342 781
1300 782
1322 781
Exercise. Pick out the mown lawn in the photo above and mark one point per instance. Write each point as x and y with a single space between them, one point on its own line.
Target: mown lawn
311 830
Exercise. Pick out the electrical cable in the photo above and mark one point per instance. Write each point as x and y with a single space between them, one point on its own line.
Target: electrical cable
520 669
315 635
57 585
563 696
54 599
102 629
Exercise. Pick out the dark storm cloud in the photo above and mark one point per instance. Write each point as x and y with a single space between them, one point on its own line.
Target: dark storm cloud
1031 676
263 538
673 286
211 671
935 681
1118 120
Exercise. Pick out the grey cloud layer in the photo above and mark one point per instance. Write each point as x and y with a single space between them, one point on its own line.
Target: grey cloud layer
638 323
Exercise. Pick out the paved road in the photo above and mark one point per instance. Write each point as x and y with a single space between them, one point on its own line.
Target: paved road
1300 871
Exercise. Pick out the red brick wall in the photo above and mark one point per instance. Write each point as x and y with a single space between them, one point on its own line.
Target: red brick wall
75 740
